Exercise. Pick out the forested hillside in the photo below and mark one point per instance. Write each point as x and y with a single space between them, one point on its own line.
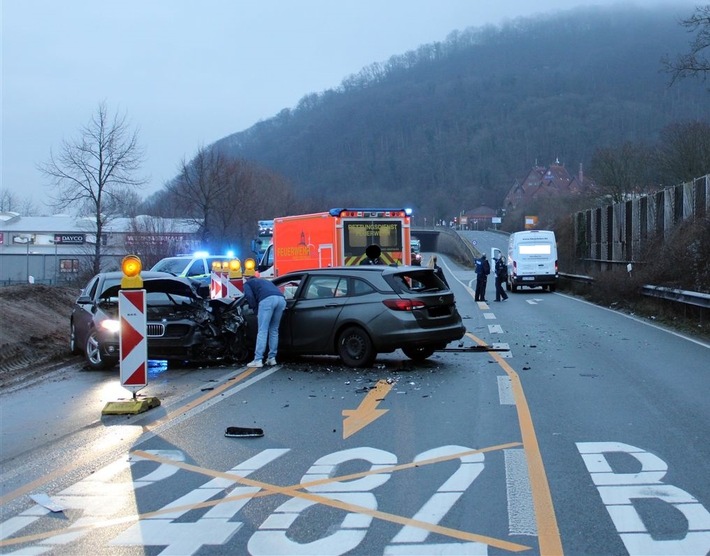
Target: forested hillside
450 126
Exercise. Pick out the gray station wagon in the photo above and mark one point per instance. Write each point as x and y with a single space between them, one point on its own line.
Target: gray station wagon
356 312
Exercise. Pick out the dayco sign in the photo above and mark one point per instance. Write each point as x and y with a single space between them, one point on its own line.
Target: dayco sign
71 239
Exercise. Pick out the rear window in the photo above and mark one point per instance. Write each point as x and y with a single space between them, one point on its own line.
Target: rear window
416 281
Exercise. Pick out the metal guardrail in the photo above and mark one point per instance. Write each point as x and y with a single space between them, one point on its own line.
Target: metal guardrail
689 298
697 299
576 278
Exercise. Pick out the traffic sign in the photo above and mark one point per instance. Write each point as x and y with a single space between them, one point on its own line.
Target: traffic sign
133 339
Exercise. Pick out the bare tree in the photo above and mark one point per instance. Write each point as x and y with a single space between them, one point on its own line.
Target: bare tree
12 202
200 188
92 172
153 238
695 62
684 152
224 196
622 171
126 202
9 201
234 216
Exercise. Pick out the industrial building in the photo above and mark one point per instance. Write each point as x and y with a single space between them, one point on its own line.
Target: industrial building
59 249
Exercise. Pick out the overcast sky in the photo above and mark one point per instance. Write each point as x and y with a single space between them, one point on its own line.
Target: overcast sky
187 73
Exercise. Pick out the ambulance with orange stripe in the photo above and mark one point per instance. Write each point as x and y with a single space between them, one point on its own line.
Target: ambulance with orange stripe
338 237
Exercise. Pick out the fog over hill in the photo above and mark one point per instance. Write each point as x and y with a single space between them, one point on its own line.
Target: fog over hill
450 126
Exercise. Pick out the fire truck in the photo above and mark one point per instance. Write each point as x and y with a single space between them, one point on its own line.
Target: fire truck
338 237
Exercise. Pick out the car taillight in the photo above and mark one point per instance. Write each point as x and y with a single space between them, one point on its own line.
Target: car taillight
403 304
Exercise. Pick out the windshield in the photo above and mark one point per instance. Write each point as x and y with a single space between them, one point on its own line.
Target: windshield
172 265
359 234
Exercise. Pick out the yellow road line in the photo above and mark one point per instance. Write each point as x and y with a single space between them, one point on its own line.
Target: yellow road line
44 479
227 384
296 491
547 530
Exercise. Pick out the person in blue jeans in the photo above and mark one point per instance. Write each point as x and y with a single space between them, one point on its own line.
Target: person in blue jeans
267 301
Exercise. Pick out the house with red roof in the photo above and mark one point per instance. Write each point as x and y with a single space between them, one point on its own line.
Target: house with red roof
553 181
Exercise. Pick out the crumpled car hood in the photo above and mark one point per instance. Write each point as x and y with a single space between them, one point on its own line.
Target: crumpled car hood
173 286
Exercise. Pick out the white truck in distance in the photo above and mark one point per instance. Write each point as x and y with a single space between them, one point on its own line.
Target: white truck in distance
532 260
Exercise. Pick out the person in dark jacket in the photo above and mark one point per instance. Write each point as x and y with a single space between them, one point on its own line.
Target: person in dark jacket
372 254
433 263
501 269
483 269
267 301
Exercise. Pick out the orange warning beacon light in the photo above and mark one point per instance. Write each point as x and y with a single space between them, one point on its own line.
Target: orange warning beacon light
249 267
131 267
235 269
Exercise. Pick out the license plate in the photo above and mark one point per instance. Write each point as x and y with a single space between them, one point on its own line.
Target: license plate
529 278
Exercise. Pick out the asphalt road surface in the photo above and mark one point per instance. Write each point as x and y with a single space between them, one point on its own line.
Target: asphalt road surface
556 427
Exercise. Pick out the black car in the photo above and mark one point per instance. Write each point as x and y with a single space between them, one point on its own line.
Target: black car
356 312
183 323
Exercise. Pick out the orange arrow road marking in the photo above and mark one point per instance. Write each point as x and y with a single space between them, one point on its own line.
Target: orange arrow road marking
367 412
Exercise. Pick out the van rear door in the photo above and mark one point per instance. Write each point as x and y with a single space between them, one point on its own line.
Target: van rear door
532 259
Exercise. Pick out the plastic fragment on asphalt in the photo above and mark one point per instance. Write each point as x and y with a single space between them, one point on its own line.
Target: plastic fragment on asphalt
242 432
44 500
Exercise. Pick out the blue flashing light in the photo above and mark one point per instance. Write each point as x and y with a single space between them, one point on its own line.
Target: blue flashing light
230 254
337 211
201 254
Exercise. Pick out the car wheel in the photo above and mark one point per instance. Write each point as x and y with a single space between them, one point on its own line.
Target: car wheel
239 349
93 354
355 347
419 353
73 347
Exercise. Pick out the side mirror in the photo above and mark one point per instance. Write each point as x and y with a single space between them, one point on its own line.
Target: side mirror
83 300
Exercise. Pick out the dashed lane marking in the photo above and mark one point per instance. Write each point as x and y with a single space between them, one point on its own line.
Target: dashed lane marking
505 391
546 521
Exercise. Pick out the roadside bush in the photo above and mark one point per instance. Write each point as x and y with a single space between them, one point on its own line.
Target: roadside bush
681 261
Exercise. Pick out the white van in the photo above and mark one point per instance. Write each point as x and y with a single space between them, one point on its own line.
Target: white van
532 260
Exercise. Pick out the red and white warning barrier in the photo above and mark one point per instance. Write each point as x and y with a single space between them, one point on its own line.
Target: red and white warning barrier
218 285
222 287
133 339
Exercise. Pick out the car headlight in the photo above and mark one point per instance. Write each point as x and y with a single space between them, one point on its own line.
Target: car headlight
111 325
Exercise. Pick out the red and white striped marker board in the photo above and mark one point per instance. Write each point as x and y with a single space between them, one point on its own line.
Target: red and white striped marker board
133 339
